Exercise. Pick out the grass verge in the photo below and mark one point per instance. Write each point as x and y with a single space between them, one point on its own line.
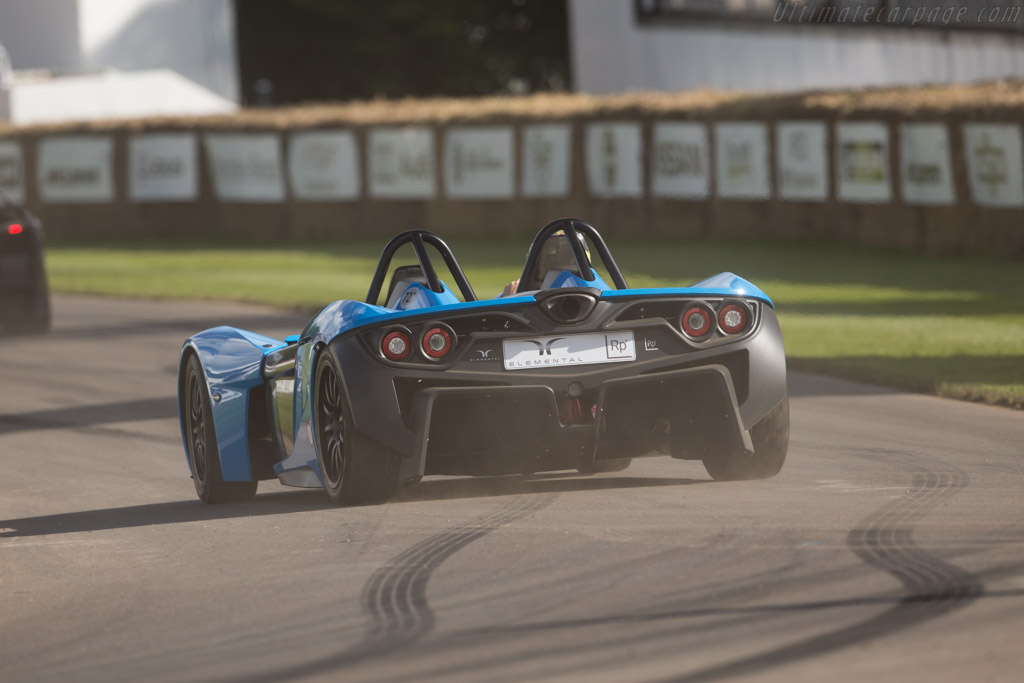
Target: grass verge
952 327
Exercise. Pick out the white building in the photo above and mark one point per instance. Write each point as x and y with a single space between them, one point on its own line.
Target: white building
81 59
620 45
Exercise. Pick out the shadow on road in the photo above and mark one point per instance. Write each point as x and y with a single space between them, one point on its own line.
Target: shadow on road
178 512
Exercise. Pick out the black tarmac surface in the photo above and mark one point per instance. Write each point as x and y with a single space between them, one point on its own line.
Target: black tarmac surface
891 547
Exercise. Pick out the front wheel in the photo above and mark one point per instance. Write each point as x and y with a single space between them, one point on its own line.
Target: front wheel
202 443
354 472
771 443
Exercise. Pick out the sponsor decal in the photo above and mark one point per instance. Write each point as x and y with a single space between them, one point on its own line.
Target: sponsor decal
679 165
801 163
402 163
613 159
478 162
650 344
162 167
741 156
862 161
547 169
994 164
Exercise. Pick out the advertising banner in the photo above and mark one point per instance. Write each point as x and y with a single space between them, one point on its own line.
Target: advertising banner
324 165
76 169
245 167
680 164
402 163
614 160
478 163
547 160
741 160
926 165
862 162
162 167
12 171
801 160
994 165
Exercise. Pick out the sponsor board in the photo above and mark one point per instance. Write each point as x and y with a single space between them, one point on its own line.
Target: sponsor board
401 163
680 166
324 165
162 167
994 164
478 163
245 167
569 350
741 160
12 171
614 153
547 160
862 162
926 166
801 160
76 169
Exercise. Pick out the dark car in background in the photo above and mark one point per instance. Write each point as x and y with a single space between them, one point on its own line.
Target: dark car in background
24 294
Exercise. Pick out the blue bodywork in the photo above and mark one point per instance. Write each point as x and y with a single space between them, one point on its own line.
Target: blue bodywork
233 359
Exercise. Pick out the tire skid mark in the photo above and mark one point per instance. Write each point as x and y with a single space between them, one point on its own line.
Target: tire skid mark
931 587
395 596
395 599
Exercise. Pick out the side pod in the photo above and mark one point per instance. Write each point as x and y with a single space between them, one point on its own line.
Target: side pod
232 362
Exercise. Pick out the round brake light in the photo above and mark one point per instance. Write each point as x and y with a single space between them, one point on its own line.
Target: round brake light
733 318
696 321
15 229
437 342
395 345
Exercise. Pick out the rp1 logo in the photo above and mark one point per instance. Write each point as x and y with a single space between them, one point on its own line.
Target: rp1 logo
544 348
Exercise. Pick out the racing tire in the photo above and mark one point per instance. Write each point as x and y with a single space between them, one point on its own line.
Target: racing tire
771 443
31 317
354 470
599 466
201 443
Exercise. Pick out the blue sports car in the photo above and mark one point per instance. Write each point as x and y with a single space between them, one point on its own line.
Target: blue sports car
566 372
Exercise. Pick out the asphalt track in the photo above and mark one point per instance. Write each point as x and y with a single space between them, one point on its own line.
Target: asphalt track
891 547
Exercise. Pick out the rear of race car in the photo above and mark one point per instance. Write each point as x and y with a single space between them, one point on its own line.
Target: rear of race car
567 378
24 295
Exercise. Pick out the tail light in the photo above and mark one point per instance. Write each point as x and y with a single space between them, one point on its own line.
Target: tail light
733 318
697 321
437 341
15 229
396 345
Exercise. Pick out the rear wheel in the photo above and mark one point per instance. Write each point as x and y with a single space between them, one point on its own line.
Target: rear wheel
354 471
771 443
202 443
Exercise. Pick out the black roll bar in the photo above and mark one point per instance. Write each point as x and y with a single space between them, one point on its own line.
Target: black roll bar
572 226
419 240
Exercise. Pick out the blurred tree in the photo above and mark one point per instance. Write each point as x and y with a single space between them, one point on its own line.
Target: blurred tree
351 49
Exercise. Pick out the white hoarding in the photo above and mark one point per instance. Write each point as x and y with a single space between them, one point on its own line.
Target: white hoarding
741 160
478 163
994 165
926 166
680 163
862 162
12 171
324 165
801 160
162 167
614 160
76 168
245 167
547 160
402 163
